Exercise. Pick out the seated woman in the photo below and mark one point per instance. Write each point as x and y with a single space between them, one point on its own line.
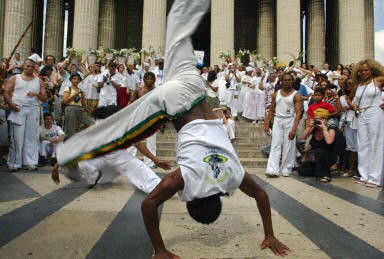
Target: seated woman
321 154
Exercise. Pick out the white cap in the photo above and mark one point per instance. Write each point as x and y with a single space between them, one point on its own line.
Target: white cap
146 64
36 58
249 69
230 64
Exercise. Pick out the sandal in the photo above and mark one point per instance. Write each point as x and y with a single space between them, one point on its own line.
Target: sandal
325 179
358 180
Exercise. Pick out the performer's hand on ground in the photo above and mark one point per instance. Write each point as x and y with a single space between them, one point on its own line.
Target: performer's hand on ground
163 164
166 255
55 174
275 245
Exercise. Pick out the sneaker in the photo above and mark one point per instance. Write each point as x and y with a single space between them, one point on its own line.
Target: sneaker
12 169
285 174
31 167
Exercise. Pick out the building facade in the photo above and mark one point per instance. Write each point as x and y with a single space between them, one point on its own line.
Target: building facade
336 31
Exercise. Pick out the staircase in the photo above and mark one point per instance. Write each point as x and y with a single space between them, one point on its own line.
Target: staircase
250 138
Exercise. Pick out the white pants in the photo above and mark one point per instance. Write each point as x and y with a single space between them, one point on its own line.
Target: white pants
46 149
231 128
117 163
182 89
370 144
282 147
24 130
151 145
231 99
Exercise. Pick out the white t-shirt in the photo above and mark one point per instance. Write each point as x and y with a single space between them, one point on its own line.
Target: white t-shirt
54 132
207 160
108 91
89 87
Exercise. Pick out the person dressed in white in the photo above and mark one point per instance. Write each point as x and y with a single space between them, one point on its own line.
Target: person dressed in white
246 87
106 168
159 73
348 124
89 87
50 136
23 93
108 85
369 76
254 104
286 110
327 71
208 164
232 78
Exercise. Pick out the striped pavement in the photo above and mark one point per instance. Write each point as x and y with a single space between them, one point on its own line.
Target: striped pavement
39 219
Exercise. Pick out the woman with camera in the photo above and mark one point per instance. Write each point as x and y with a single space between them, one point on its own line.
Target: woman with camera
368 106
321 154
75 113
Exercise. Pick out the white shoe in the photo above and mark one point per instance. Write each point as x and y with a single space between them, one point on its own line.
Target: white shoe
285 174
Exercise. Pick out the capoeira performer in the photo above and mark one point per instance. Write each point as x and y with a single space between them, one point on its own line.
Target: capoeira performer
208 165
286 112
106 168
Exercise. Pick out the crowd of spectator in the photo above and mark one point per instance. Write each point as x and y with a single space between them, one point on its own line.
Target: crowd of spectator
322 104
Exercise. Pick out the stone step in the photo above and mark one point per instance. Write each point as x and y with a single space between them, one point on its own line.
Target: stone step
240 153
247 163
244 139
251 133
256 145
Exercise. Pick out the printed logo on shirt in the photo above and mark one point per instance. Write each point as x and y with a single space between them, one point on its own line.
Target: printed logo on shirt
215 162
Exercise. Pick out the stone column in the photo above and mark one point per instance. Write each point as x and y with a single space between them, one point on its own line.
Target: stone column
369 30
2 6
266 31
332 33
288 24
19 15
107 17
154 23
70 7
315 30
37 28
222 29
54 28
352 31
85 24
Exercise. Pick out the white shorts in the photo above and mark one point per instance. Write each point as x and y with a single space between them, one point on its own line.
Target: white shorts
117 163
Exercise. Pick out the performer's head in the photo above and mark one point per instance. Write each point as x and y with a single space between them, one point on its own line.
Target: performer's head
205 210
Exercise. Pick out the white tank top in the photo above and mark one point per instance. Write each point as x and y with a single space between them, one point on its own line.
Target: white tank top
21 89
368 96
285 107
